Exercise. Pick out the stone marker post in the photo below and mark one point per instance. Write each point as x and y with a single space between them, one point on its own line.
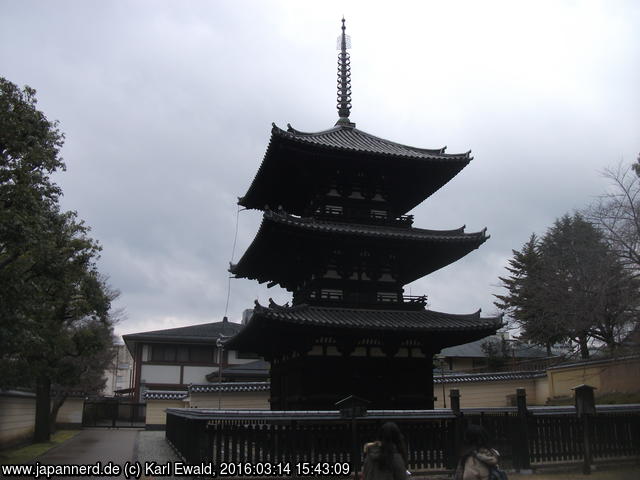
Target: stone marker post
522 459
585 409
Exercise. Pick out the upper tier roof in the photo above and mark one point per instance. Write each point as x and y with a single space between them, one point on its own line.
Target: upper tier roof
353 139
287 248
304 321
297 163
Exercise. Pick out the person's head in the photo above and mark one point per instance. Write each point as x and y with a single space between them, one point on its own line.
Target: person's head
391 441
390 433
476 436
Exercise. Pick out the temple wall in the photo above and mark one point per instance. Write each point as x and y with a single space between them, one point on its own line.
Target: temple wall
231 400
487 394
542 390
562 381
70 412
622 377
608 376
17 418
156 415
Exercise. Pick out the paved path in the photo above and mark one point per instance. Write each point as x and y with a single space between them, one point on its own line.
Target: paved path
95 444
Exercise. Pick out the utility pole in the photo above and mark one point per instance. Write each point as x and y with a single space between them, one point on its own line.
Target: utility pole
220 345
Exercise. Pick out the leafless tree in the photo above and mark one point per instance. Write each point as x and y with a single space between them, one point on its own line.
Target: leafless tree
617 213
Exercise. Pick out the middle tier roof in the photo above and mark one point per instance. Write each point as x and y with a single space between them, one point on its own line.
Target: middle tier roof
287 249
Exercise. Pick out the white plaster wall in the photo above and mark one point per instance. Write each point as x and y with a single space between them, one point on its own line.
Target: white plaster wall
197 374
232 400
486 394
542 390
17 419
156 410
71 411
233 358
160 373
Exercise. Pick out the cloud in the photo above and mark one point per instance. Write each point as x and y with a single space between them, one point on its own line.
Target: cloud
168 107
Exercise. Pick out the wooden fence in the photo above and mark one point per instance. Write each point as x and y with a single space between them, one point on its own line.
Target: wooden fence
525 437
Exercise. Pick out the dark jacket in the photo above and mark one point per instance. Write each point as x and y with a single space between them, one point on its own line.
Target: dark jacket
372 470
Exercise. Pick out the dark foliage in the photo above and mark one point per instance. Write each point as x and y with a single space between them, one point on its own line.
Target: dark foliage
55 322
570 286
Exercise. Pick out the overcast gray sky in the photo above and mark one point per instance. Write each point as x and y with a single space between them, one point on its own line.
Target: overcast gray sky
167 109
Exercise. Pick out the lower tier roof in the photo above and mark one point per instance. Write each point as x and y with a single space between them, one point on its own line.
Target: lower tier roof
276 329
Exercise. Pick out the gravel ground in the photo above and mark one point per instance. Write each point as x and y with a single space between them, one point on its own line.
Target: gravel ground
151 446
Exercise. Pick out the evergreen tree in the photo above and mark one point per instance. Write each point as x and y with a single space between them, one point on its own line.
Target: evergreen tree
53 301
570 285
525 302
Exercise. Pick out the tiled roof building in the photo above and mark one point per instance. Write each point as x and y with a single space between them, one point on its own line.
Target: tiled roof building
171 359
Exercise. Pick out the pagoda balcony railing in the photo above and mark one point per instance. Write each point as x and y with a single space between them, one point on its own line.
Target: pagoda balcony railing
411 299
380 299
324 295
363 216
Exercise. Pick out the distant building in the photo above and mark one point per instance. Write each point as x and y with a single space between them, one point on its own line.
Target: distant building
173 359
472 357
119 374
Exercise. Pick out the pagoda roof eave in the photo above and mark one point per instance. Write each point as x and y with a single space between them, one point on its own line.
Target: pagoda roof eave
294 236
353 139
315 322
281 175
313 224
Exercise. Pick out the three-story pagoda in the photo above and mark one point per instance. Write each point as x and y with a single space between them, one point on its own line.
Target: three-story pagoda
335 232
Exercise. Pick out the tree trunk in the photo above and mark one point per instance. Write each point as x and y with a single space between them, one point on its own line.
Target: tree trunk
584 347
58 401
548 349
43 406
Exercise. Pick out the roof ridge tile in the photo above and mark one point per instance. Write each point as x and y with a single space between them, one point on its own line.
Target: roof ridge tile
354 139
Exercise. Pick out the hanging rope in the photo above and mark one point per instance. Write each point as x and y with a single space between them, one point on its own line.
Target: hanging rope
233 253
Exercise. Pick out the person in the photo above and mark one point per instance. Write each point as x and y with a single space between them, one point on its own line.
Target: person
477 457
386 459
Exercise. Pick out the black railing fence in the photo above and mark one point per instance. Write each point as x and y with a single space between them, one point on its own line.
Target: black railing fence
524 437
554 437
113 412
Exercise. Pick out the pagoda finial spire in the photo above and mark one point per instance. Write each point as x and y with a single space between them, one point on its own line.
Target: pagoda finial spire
344 79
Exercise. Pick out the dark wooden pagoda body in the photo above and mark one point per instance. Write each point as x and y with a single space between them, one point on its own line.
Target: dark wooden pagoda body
335 232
